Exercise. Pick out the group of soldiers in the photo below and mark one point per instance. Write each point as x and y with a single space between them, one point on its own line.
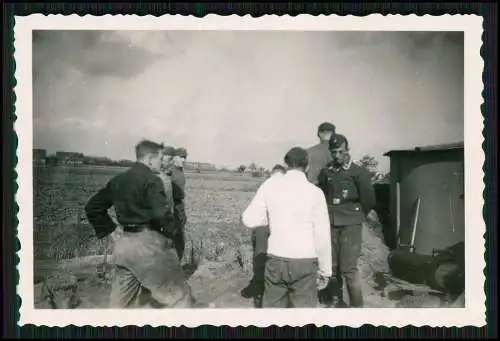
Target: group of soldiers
307 227
306 220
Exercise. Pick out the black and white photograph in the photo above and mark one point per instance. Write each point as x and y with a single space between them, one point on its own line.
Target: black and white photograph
250 172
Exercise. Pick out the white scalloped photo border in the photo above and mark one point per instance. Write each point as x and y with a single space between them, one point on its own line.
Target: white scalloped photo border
474 314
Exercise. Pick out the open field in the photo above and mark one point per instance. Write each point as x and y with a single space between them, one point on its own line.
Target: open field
214 203
67 252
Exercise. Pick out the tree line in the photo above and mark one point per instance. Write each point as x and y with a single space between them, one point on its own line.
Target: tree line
368 162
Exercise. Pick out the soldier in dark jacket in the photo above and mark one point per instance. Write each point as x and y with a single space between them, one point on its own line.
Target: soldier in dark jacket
148 273
350 197
178 188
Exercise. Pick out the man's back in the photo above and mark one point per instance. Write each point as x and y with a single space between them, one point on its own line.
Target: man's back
128 191
291 209
138 197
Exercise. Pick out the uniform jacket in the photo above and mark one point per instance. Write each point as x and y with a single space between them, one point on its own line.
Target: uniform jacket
167 182
139 198
349 193
178 191
318 156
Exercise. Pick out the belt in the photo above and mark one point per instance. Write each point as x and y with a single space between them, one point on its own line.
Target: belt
340 202
135 228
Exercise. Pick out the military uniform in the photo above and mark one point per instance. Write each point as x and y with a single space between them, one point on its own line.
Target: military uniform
178 192
167 183
141 254
350 197
166 176
319 156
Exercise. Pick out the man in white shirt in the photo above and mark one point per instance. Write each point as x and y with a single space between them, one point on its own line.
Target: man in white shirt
299 251
260 236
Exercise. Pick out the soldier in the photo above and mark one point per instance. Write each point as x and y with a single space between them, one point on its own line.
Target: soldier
319 155
165 175
299 249
350 198
178 186
260 237
147 272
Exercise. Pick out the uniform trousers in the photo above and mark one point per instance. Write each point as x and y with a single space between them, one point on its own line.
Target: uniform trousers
346 250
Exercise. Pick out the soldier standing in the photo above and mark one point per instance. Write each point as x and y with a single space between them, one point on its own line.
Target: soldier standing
319 155
147 272
350 197
165 175
178 188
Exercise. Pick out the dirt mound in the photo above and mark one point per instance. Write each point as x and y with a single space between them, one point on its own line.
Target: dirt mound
372 262
218 284
217 272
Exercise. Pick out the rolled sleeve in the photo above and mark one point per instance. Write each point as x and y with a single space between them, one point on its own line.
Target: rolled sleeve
322 235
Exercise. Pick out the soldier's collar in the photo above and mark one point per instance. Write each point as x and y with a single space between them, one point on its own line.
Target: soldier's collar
345 166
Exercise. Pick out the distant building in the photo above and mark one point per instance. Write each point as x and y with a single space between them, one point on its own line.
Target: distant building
125 163
69 158
435 176
189 165
39 156
97 160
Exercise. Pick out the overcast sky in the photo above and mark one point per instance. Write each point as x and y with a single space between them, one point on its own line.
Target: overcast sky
234 97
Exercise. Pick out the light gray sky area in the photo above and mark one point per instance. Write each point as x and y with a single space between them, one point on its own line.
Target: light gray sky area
234 97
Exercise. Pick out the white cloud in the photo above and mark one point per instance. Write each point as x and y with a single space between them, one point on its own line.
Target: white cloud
238 97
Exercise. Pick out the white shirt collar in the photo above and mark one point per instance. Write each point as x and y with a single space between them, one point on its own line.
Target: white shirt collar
295 173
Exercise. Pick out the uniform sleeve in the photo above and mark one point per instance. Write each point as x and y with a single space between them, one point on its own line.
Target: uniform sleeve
96 211
177 192
366 191
157 199
322 235
322 181
255 214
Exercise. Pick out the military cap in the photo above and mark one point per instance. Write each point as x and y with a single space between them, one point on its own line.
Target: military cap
326 126
337 140
182 152
296 157
168 150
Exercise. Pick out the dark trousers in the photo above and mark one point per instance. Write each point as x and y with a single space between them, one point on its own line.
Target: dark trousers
260 237
290 283
179 240
346 250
